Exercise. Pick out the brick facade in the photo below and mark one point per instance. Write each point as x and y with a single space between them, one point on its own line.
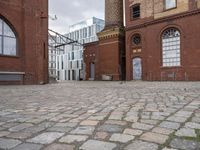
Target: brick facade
154 20
185 18
109 51
29 20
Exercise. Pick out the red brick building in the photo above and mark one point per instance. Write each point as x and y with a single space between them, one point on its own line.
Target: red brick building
162 41
23 41
106 58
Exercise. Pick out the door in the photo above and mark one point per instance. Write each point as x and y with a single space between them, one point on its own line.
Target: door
92 71
137 69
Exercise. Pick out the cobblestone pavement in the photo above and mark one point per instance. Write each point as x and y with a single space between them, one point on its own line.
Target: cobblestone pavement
101 116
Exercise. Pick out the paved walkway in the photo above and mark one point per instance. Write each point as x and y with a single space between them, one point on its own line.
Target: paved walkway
101 116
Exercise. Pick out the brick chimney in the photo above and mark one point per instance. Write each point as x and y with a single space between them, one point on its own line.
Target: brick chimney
111 42
113 13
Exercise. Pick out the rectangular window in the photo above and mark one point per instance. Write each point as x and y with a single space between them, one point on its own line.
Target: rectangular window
135 11
68 74
72 56
62 64
169 4
65 74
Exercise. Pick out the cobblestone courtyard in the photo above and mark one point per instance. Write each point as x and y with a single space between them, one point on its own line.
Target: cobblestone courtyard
101 116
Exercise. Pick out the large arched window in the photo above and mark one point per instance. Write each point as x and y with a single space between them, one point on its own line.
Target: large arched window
8 44
171 48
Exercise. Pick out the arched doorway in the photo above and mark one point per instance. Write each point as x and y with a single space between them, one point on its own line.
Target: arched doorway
137 68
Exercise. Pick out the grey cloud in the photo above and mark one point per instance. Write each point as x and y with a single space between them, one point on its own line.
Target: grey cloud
73 11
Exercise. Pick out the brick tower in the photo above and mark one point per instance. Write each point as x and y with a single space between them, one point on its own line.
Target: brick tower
111 42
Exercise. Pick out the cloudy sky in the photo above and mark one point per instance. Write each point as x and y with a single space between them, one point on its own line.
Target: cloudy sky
69 12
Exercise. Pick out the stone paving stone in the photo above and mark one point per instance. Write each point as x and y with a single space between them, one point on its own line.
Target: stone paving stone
88 130
36 120
28 146
46 124
154 137
186 132
115 117
116 122
184 144
123 138
131 118
46 138
1 123
20 127
170 125
99 118
110 128
1 128
64 120
59 129
192 125
34 129
162 130
133 132
183 113
19 135
168 148
157 117
101 135
56 146
142 126
9 125
73 138
4 133
8 143
177 119
196 119
67 124
89 123
140 145
98 145
147 121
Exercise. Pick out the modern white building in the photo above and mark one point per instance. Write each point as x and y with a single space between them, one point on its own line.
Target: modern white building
55 39
69 65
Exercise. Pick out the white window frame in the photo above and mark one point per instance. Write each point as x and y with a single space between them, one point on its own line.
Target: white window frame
171 48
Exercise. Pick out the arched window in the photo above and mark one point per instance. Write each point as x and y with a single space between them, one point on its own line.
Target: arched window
8 44
136 39
171 48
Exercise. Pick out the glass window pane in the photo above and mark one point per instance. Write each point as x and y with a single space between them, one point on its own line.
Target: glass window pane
171 47
1 45
9 46
8 31
170 4
1 26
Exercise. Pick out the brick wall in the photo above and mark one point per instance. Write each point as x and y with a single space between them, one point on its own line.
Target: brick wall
151 50
114 12
154 9
198 3
159 11
29 19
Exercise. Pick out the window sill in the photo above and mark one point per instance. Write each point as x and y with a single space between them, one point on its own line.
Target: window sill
4 72
134 19
10 56
169 67
168 9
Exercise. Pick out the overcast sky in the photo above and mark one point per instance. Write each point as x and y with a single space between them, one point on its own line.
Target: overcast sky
69 12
